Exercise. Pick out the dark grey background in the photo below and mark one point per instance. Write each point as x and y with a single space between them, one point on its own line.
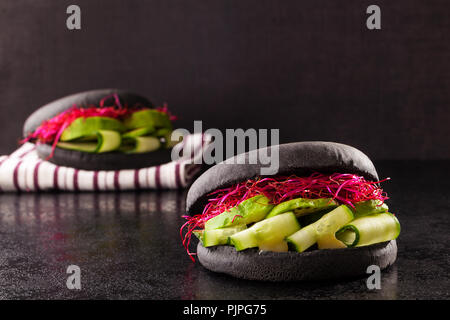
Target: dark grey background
310 68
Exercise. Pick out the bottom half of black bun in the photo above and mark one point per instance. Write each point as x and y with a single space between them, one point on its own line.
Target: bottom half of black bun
324 264
103 161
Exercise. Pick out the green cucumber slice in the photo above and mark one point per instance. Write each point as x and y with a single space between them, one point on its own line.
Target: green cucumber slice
275 229
139 132
251 210
244 239
148 118
267 232
333 220
220 236
369 230
107 141
328 224
302 239
302 206
83 127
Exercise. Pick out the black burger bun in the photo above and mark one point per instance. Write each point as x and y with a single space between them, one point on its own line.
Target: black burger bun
92 161
300 158
103 161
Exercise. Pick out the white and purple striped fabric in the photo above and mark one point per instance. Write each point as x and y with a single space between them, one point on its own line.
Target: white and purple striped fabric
23 170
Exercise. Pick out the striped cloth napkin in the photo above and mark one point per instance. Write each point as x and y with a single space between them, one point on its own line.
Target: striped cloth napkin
23 170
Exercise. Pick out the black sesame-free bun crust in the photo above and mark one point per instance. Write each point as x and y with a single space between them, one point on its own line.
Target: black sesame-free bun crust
300 158
93 161
324 264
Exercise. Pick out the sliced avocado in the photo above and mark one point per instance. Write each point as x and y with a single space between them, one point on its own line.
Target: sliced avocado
251 210
302 206
147 118
333 220
83 127
369 229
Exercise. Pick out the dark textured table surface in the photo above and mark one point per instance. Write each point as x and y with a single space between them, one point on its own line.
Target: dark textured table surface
128 246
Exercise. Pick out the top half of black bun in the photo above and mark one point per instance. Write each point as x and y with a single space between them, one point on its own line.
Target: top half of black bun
82 100
299 158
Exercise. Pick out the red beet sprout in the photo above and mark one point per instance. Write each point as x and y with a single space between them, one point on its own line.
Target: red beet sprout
344 188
